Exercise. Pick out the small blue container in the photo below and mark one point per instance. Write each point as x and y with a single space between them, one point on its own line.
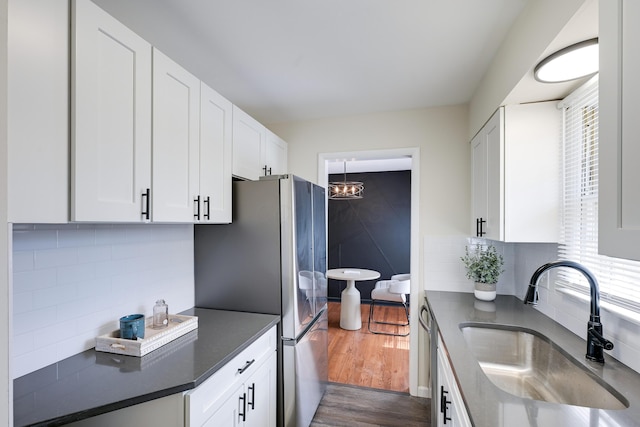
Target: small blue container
132 326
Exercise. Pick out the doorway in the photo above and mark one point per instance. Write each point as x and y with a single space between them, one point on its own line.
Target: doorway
381 161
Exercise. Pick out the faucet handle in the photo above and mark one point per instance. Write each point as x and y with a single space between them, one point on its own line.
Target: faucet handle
599 340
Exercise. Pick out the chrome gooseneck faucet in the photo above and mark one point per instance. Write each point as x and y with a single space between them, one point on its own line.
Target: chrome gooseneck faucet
595 341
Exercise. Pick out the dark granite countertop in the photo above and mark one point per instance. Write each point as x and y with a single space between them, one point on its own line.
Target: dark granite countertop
92 382
489 406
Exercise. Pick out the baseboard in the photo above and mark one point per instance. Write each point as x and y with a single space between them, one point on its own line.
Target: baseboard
424 391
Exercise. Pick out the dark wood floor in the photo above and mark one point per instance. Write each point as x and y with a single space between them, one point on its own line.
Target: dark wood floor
351 406
369 377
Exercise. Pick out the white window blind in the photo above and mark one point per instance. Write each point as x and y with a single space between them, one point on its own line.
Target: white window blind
619 279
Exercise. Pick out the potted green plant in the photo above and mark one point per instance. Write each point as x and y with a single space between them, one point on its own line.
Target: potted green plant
484 266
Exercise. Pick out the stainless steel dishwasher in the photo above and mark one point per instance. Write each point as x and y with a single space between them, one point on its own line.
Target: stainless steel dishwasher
429 324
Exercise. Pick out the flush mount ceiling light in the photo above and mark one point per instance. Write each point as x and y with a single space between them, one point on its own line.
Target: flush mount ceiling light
345 190
570 63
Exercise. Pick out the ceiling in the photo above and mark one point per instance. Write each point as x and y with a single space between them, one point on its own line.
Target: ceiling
291 60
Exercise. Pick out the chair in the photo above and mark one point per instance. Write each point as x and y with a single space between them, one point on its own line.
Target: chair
393 291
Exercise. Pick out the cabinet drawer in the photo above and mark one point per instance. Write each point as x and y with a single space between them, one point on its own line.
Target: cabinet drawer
202 402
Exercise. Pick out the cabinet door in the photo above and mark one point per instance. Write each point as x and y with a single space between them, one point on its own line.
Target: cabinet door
495 182
215 156
248 139
261 395
478 185
176 118
619 148
38 111
111 118
275 155
231 413
452 411
487 185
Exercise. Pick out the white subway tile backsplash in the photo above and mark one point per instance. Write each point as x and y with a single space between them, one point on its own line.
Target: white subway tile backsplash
55 257
94 254
26 281
22 344
76 238
32 240
22 302
72 282
33 320
76 273
54 296
22 261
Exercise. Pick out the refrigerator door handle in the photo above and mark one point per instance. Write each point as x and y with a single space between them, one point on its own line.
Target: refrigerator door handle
294 341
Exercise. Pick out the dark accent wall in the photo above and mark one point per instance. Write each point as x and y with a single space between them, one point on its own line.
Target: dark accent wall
372 232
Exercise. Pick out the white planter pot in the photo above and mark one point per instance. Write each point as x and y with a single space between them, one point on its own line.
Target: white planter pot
485 291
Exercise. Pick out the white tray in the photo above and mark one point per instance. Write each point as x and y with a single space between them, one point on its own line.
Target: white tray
153 338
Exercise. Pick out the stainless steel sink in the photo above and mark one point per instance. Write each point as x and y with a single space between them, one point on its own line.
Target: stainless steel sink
524 363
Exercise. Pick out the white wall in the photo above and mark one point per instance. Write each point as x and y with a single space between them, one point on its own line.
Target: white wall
441 136
72 282
440 133
6 388
537 26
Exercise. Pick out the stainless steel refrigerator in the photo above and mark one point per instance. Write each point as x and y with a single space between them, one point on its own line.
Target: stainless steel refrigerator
272 259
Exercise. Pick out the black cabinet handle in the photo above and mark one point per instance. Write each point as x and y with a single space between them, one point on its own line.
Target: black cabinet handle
479 229
146 212
207 204
267 171
196 201
242 415
443 404
252 401
246 366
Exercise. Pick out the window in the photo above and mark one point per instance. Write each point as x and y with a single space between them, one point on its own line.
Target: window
619 279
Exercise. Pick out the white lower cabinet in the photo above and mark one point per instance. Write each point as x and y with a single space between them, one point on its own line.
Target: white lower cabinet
452 411
252 403
242 393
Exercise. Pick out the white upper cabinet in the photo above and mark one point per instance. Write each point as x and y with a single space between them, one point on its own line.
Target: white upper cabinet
274 158
111 119
176 138
215 157
256 150
516 174
487 181
619 127
248 139
38 111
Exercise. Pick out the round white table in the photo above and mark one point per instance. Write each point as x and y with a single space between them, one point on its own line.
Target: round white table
350 300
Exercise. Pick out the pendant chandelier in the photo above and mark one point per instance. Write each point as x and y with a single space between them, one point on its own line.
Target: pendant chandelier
345 190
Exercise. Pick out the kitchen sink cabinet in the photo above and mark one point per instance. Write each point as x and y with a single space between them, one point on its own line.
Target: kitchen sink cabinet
451 409
515 161
619 148
38 111
111 119
256 150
